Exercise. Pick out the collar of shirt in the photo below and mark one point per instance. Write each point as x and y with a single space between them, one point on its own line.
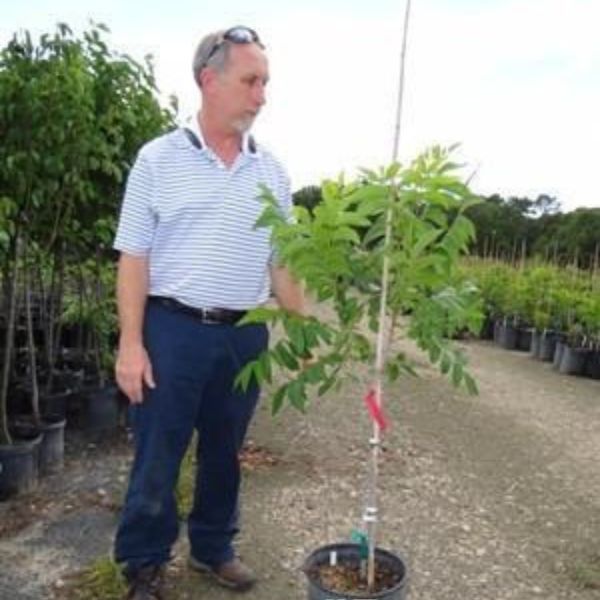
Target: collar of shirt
194 126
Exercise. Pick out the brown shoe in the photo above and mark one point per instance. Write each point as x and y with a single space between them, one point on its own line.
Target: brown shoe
148 583
233 574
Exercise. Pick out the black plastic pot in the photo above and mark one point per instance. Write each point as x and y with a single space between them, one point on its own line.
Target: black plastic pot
558 353
56 404
524 338
19 473
497 330
508 336
487 329
536 342
349 553
592 365
548 341
52 447
573 360
102 410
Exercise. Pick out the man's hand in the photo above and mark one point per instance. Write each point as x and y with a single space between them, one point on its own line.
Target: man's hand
288 291
132 370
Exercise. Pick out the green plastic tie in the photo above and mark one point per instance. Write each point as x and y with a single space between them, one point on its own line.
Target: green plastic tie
361 538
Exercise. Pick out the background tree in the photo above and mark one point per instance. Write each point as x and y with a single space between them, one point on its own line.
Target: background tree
308 197
515 228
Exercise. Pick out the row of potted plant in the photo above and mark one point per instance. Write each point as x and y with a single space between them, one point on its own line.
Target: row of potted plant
552 312
58 376
73 114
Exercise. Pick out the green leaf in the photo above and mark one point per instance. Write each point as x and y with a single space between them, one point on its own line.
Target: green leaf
278 398
265 368
345 234
393 170
243 378
297 395
445 363
457 374
326 385
296 335
434 353
314 374
470 384
424 240
286 357
368 174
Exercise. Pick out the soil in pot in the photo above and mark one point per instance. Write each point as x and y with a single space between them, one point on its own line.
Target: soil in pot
343 580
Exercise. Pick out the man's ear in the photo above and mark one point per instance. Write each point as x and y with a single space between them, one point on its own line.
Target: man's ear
197 78
206 77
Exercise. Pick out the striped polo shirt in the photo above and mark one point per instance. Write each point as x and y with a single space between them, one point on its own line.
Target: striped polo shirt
195 220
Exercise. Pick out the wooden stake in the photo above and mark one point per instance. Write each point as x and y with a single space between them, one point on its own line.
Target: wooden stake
370 516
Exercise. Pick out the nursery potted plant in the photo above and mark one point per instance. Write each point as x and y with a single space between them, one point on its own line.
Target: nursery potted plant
47 89
493 281
591 316
380 253
72 115
540 280
51 426
578 348
17 457
93 309
564 319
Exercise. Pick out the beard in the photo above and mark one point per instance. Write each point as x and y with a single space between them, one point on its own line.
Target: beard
243 124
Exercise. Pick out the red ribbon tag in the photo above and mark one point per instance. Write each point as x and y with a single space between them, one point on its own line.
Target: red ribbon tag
375 410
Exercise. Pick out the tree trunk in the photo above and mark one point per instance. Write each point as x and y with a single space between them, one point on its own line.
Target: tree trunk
55 311
8 342
35 393
99 334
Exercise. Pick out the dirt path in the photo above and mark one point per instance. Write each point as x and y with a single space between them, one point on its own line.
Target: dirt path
488 498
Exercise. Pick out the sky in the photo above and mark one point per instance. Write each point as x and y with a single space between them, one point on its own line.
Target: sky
515 82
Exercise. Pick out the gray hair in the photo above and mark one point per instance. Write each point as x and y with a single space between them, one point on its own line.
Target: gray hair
217 61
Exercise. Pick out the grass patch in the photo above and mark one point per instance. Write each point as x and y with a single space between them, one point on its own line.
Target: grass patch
586 573
102 580
184 491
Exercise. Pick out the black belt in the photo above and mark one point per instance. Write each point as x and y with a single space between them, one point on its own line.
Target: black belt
213 316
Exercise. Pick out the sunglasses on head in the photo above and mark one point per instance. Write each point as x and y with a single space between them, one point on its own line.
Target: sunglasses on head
235 35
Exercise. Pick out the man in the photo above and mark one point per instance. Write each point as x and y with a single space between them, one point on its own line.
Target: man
191 264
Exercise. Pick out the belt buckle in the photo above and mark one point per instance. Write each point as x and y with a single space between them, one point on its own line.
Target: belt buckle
207 316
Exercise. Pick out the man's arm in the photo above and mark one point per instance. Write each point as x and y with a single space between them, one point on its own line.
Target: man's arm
288 291
133 367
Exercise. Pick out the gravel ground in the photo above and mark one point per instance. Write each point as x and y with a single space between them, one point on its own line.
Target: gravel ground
493 497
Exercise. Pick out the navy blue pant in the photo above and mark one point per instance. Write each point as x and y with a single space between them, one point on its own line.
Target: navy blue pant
194 367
